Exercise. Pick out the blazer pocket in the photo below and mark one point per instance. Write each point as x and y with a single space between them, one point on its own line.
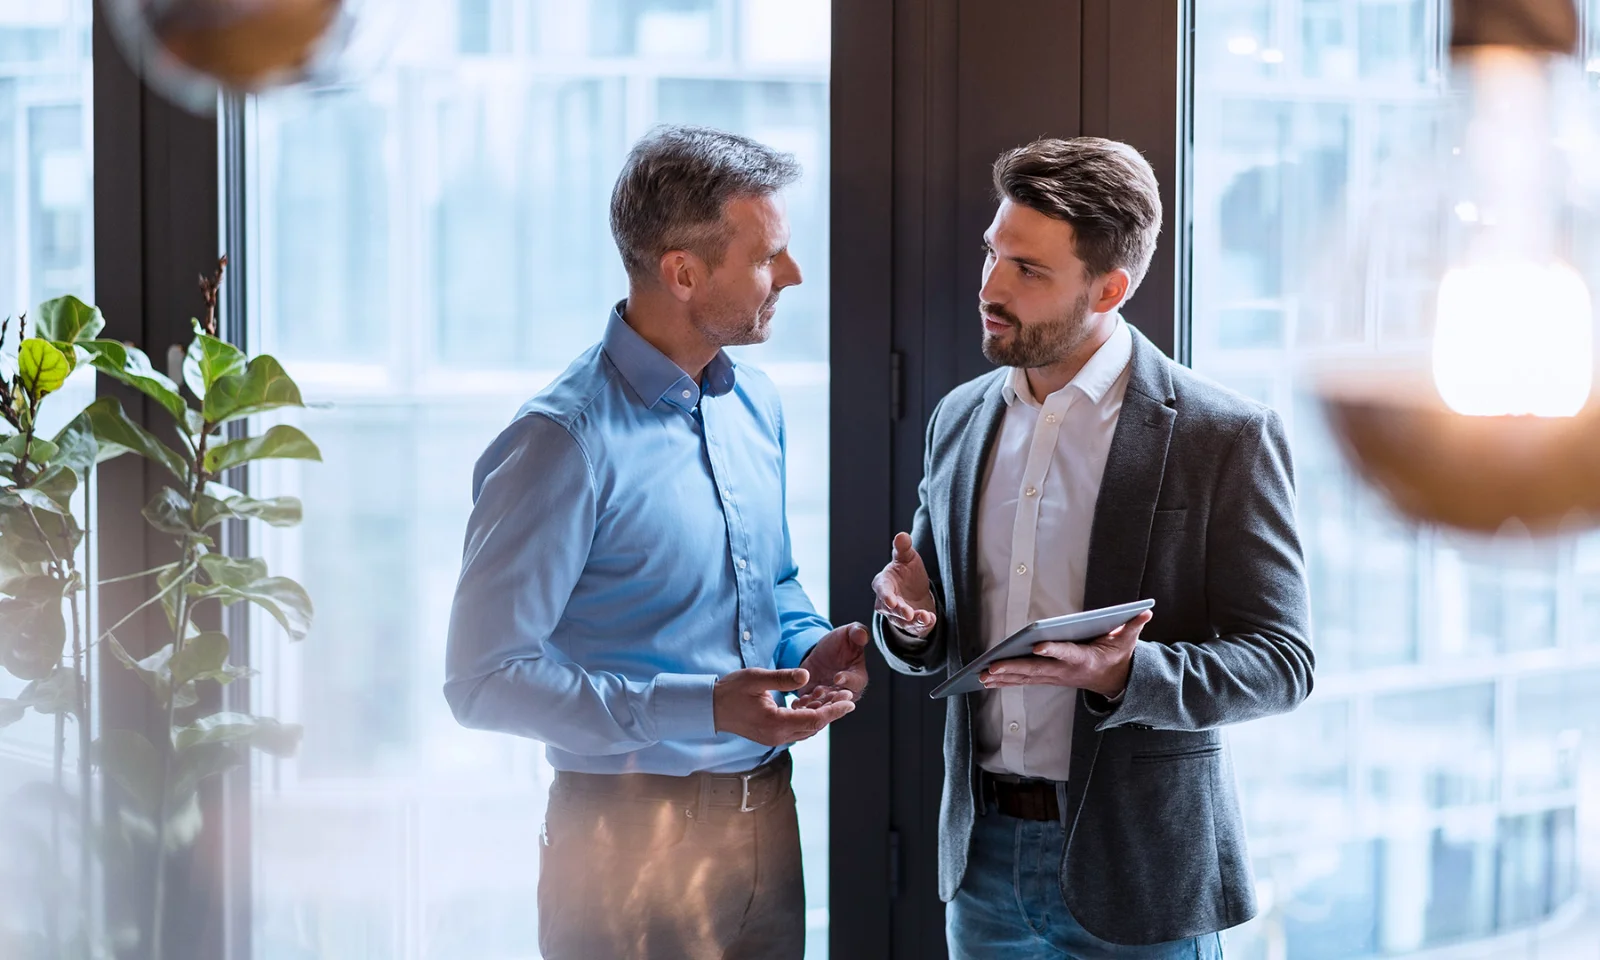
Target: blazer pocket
1171 756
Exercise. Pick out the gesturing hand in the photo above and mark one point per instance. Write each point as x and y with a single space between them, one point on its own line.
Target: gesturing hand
742 704
838 668
904 594
1101 665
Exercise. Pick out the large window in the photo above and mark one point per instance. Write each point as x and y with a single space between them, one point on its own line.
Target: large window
45 252
1438 791
428 249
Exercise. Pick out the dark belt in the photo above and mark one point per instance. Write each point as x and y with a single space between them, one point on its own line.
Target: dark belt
1020 797
744 792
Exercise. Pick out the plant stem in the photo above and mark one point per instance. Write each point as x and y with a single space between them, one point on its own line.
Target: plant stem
191 560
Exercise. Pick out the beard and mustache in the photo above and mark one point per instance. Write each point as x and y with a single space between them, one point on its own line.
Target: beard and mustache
1038 344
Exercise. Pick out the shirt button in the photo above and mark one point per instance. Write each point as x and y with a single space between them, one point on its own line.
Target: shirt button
742 564
1022 568
687 394
1031 492
727 494
747 634
1014 726
1048 418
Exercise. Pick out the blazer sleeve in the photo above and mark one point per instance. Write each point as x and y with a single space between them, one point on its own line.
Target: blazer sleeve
1261 661
904 653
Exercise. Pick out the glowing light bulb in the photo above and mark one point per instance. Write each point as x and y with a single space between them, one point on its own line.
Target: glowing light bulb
1514 339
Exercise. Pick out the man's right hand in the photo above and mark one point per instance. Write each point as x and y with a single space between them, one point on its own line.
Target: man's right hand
742 704
904 593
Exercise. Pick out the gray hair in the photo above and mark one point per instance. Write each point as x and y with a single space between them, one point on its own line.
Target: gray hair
675 185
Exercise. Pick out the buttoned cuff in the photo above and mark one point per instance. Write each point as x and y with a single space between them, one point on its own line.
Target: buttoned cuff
682 705
795 650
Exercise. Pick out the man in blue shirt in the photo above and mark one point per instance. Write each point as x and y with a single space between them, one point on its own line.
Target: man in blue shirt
628 594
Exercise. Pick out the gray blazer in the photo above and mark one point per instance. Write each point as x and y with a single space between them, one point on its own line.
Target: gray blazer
1196 510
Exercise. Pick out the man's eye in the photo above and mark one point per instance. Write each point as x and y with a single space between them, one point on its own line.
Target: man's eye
1026 272
986 250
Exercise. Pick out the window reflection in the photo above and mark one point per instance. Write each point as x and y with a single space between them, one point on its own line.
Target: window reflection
1434 793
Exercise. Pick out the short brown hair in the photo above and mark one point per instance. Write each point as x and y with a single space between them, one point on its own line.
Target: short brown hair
674 186
1103 188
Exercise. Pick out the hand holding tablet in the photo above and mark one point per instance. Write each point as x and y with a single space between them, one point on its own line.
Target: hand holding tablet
1073 628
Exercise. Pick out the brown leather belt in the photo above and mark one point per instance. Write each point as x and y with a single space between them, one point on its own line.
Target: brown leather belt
743 792
1020 797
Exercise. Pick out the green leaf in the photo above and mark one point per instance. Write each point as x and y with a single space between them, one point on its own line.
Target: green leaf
134 764
205 657
202 762
209 360
37 588
76 447
286 600
10 712
40 451
233 571
56 693
116 433
131 366
282 442
263 386
68 319
154 670
58 483
41 367
263 733
32 636
169 512
20 540
279 511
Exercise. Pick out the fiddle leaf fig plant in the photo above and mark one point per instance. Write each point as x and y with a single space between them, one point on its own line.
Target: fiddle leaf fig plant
42 589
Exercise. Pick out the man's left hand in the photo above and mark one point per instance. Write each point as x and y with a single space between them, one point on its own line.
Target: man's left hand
838 665
1101 665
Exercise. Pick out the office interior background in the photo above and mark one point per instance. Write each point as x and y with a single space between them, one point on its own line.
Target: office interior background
426 246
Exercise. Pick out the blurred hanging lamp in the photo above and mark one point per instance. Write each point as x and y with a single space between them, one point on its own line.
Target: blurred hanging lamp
191 50
1491 234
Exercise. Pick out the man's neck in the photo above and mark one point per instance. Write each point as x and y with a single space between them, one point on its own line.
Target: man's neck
663 324
1044 381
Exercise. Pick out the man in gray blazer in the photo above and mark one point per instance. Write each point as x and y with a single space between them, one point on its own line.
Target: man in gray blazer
1089 807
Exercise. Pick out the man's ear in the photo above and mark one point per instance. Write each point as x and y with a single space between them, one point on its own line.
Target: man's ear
682 273
1114 288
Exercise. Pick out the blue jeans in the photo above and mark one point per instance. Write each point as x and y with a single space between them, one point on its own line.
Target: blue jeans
1010 903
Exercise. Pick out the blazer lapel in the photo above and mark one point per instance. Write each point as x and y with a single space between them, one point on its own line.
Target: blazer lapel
1120 535
972 455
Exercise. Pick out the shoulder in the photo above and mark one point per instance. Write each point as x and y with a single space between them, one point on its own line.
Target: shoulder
549 433
760 395
1217 412
572 399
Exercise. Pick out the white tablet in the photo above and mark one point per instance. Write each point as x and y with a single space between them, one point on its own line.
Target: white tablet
1073 628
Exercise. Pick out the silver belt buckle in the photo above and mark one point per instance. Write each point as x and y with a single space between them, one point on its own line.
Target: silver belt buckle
744 798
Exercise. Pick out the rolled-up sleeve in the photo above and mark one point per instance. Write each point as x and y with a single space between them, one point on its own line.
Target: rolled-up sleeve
527 543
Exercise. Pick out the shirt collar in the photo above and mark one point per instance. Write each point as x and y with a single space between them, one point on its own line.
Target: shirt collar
1096 378
652 375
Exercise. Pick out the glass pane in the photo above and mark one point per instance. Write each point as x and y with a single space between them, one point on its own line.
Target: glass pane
46 251
1434 794
429 248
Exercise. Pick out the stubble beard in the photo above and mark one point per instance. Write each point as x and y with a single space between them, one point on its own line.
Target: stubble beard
1039 344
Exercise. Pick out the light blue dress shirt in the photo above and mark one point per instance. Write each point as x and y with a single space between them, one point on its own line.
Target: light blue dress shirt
628 545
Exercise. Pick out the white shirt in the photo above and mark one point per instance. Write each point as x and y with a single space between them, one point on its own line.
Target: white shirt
1035 509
